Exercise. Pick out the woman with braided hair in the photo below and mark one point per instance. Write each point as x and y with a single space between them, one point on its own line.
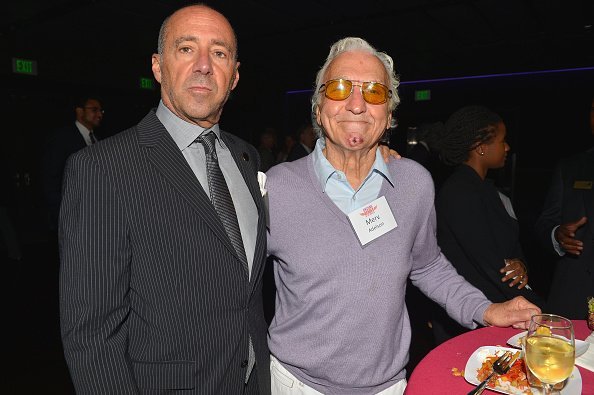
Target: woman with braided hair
476 227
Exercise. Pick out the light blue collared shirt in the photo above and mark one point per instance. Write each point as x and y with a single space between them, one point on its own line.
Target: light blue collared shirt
335 184
184 134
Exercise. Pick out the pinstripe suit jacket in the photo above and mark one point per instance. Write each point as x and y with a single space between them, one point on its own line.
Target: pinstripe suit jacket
153 298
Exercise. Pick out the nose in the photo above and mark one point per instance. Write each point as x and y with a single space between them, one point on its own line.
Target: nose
203 63
355 102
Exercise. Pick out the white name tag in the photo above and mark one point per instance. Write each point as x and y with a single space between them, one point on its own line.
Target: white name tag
373 220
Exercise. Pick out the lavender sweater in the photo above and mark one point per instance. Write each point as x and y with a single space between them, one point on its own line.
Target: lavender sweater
341 325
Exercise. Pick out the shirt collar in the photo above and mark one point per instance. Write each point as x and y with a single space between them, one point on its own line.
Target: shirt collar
183 133
83 128
324 170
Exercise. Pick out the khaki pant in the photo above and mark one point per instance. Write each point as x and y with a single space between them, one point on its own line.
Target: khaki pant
285 383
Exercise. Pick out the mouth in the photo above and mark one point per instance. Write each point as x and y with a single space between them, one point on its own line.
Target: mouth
354 126
199 89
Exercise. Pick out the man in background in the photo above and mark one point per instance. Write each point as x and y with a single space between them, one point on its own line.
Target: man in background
266 149
566 228
63 143
307 141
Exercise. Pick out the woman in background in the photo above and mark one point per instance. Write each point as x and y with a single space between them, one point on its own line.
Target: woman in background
476 227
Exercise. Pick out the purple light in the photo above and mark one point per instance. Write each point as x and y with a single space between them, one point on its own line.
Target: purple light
473 77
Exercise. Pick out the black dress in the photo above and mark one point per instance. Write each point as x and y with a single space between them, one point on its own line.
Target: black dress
477 234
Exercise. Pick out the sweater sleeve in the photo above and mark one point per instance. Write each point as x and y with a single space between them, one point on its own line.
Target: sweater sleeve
435 276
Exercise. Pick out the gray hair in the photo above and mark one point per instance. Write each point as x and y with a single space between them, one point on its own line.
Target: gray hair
349 44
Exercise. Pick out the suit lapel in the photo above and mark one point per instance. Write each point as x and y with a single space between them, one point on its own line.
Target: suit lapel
164 154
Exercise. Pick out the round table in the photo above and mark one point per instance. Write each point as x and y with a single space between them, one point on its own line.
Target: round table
433 374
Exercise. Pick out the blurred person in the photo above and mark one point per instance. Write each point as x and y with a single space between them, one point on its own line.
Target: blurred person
64 142
163 238
288 144
422 152
307 141
566 229
417 148
266 149
341 325
477 229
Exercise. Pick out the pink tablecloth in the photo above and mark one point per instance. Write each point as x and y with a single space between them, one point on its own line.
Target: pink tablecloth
433 375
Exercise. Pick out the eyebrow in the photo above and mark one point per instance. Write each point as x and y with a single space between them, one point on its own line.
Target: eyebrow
181 39
195 39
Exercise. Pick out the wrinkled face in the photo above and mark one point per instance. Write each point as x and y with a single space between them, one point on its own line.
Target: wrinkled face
90 115
197 69
353 124
495 151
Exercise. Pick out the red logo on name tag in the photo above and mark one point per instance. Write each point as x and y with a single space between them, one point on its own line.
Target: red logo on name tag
369 210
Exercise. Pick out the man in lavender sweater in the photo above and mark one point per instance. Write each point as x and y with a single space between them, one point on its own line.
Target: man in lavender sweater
346 231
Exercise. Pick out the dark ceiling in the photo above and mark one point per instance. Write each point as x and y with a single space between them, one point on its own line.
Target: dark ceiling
110 42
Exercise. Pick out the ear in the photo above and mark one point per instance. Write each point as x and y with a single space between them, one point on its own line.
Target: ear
235 77
318 121
156 66
480 149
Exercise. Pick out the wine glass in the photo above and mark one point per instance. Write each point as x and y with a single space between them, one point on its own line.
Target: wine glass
550 349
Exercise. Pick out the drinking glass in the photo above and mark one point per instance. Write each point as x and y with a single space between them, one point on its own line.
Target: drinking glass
550 349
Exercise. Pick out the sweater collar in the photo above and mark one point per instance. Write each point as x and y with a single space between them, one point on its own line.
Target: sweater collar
324 170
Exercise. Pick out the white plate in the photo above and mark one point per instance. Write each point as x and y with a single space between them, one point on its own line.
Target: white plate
580 345
573 386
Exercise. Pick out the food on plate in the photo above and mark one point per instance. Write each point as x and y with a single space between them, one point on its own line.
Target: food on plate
515 379
520 342
457 372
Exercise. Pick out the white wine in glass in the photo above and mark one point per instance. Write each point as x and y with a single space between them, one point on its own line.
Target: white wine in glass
550 349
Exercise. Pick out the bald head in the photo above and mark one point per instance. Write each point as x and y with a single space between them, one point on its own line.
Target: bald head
197 64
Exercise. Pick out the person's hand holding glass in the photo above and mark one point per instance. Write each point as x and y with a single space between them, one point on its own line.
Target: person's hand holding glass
550 349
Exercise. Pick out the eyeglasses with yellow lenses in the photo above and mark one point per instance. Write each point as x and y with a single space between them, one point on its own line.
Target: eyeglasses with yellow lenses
341 89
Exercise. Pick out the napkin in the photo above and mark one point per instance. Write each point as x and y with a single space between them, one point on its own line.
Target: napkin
586 360
262 183
264 192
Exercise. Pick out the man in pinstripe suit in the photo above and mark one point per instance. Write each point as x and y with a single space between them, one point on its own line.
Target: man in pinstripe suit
154 298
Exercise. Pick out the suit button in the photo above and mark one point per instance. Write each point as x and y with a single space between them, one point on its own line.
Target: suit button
244 363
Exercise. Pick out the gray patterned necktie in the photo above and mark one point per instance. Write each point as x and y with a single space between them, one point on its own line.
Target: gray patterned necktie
220 195
92 137
223 203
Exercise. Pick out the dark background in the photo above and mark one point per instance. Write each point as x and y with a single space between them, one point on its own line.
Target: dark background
532 61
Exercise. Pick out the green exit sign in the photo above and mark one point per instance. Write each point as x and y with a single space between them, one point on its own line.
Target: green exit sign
423 95
146 83
24 66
